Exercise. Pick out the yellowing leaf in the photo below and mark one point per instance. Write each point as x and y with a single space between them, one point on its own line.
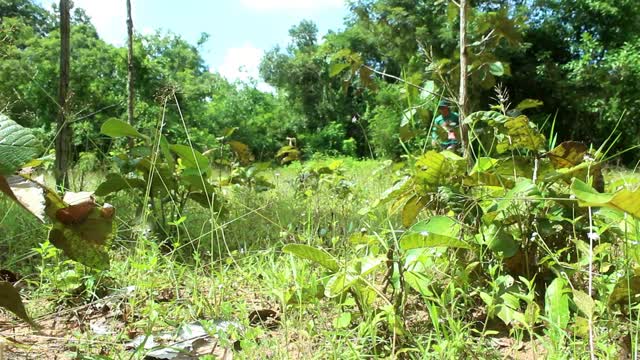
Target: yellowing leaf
242 151
624 200
412 208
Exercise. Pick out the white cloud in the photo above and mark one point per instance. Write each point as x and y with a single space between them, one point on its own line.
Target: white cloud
242 64
292 4
109 18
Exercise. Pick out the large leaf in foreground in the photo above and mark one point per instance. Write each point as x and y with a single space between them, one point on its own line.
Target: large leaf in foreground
319 256
439 231
18 146
10 300
81 229
27 193
624 200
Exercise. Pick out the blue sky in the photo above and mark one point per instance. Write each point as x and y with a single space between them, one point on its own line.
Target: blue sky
240 30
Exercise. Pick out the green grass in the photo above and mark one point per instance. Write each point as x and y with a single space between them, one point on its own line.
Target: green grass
227 268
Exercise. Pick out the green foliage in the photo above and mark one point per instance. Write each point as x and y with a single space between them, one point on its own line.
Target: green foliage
17 146
171 175
319 256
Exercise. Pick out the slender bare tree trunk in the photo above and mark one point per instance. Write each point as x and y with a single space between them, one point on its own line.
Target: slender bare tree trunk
130 69
64 134
462 97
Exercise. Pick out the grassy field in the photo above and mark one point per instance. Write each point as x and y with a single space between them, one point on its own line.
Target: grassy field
227 277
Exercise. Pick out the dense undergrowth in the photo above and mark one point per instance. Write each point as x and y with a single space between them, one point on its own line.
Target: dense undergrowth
529 252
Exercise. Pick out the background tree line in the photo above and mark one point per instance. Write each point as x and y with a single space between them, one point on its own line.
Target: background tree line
341 94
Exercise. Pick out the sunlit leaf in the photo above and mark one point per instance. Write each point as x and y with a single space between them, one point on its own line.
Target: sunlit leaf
337 68
624 200
18 146
412 208
117 128
556 304
439 231
419 282
529 104
191 158
584 303
319 256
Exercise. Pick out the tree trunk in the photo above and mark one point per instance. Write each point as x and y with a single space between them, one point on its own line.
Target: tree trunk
130 69
64 134
462 97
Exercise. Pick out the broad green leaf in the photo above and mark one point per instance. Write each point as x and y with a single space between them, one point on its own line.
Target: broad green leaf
439 231
366 265
529 104
484 164
531 314
626 291
584 303
338 284
556 304
337 68
501 241
319 256
397 190
10 300
419 282
412 208
362 239
624 200
191 158
18 146
165 149
508 309
116 182
117 128
496 68
343 321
